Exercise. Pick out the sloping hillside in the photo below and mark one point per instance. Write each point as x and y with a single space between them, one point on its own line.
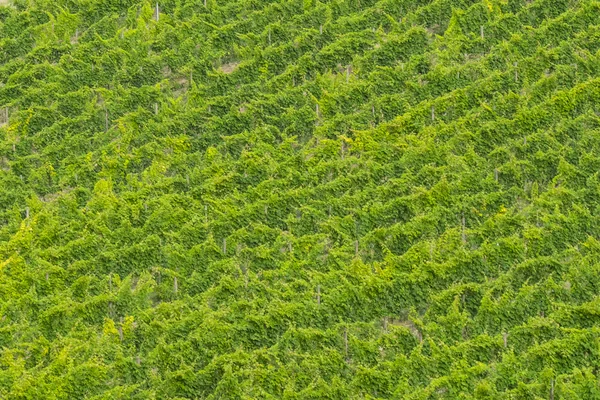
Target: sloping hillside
265 199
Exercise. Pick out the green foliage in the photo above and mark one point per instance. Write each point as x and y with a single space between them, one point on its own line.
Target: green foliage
299 199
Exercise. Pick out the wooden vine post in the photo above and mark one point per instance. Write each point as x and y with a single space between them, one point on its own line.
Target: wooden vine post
346 342
318 295
4 116
463 233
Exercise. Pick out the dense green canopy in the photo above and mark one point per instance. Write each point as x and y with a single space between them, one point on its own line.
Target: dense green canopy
300 199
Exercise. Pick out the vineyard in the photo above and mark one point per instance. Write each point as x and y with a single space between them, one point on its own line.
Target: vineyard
300 199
